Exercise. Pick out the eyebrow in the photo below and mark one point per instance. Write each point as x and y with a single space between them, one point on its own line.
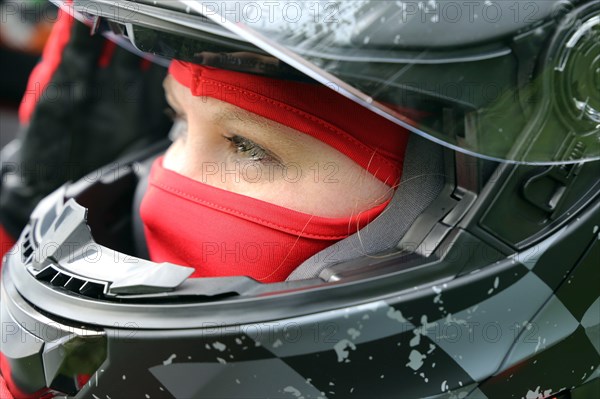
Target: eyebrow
233 113
241 115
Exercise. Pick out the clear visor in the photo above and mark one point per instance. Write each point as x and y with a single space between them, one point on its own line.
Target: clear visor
507 81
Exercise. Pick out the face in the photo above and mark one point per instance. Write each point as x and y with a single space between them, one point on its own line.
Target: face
227 147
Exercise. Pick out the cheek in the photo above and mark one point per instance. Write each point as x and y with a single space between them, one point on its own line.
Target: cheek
323 192
212 162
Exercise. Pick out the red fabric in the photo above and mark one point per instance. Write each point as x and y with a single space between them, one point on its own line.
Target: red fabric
6 243
42 73
370 140
4 392
221 233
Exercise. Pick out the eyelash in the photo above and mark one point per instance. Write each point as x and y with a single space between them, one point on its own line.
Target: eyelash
251 150
240 144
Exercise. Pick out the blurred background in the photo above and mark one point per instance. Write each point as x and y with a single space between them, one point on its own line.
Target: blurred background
24 28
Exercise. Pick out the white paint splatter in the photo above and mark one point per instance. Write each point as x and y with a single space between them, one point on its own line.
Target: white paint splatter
169 360
473 309
414 341
415 360
353 333
444 386
533 394
219 346
222 361
277 343
541 342
537 394
293 391
422 330
396 315
453 320
342 350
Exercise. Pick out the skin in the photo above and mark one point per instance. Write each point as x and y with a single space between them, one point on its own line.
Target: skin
235 150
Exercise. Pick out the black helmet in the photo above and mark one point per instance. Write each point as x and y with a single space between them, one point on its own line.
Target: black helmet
479 280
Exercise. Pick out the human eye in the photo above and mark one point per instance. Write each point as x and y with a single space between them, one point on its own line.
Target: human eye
250 150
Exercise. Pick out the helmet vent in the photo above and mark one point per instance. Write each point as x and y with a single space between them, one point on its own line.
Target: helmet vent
77 285
26 247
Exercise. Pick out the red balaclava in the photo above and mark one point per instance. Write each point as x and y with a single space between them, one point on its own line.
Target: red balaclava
221 233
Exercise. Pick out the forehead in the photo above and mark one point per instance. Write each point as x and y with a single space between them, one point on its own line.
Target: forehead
218 111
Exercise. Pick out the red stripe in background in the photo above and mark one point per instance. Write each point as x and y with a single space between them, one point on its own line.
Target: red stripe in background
42 73
6 243
107 53
146 64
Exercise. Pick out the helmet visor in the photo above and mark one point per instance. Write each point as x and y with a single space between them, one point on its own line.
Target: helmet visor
506 81
474 76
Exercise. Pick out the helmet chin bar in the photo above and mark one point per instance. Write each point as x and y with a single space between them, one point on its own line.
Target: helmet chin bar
59 248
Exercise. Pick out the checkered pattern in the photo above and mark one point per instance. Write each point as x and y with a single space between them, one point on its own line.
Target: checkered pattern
561 349
513 321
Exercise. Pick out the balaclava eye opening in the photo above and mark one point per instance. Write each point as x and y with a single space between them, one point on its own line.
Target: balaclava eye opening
221 233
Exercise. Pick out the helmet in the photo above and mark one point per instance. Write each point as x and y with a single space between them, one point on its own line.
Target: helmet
477 281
